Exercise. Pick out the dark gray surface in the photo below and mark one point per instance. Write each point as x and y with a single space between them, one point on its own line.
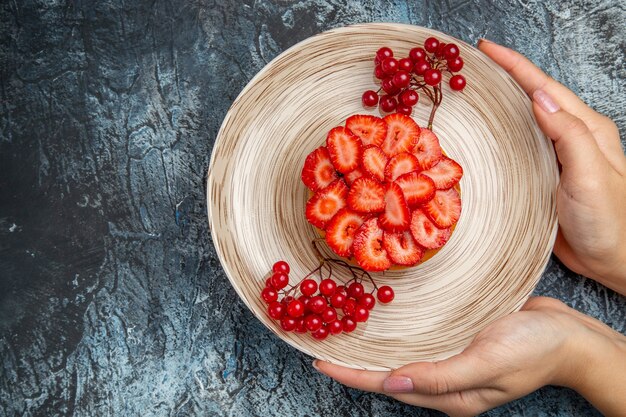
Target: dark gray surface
112 300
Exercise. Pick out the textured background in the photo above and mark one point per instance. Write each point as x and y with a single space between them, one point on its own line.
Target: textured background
112 300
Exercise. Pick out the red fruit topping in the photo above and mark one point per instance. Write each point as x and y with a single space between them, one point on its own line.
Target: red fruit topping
295 308
431 44
417 54
287 300
440 48
356 290
427 234
409 97
344 149
313 322
402 248
367 300
327 287
308 287
427 150
457 82
269 295
383 53
338 299
329 315
455 64
396 216
445 208
348 324
402 134
369 98
385 294
322 206
450 51
378 73
342 290
300 326
421 67
321 333
305 299
388 103
445 174
335 327
349 306
389 65
399 164
351 176
404 109
366 196
318 171
401 79
432 76
280 280
374 161
388 86
405 64
370 129
361 314
288 324
368 247
341 229
416 187
281 266
317 304
276 310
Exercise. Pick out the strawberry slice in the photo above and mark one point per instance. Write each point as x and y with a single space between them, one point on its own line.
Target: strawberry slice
368 247
416 187
324 204
318 171
344 149
445 208
425 233
445 174
396 217
402 248
340 231
374 161
400 164
402 134
366 196
370 129
351 176
427 150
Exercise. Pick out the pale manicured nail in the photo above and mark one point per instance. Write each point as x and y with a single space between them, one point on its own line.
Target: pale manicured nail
315 365
481 40
398 384
545 101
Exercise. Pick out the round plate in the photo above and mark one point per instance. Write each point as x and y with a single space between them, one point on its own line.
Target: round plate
498 250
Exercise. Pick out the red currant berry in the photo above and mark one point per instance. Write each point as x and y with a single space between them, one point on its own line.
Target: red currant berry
369 98
327 287
401 79
338 299
383 53
288 323
367 300
432 77
268 282
417 54
356 290
440 48
385 294
389 65
349 306
276 310
348 324
321 333
405 64
312 322
378 72
455 64
451 51
305 299
335 327
269 295
457 82
361 314
431 44
409 97
308 287
300 326
317 304
286 300
342 289
387 85
388 103
295 308
421 67
280 280
329 314
281 266
404 109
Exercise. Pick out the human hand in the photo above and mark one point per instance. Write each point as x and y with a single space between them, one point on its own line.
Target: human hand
544 343
591 197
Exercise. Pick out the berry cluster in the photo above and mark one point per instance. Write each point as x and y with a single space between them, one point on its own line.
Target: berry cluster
322 308
401 79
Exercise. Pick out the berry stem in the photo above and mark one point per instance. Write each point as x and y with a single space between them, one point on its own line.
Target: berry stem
436 102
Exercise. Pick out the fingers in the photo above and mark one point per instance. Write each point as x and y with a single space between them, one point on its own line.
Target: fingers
354 378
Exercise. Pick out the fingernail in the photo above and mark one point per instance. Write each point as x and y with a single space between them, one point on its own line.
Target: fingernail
545 101
315 365
398 384
481 40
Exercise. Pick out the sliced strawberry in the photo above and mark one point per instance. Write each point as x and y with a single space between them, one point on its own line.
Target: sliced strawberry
368 247
417 188
366 196
370 129
318 171
396 217
445 208
351 176
402 134
426 233
445 174
344 149
374 161
324 204
402 248
340 231
427 150
400 164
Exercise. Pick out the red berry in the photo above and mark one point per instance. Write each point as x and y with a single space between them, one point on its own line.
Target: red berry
383 53
327 287
455 64
312 322
317 304
288 323
269 295
378 72
451 51
308 287
431 44
342 289
369 98
457 82
335 327
405 64
432 77
440 48
300 325
389 65
388 103
329 314
305 299
281 266
404 109
361 314
348 324
356 290
280 280
295 308
401 79
321 333
417 54
349 306
409 97
385 294
388 86
421 67
276 310
338 299
367 300
268 282
286 300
